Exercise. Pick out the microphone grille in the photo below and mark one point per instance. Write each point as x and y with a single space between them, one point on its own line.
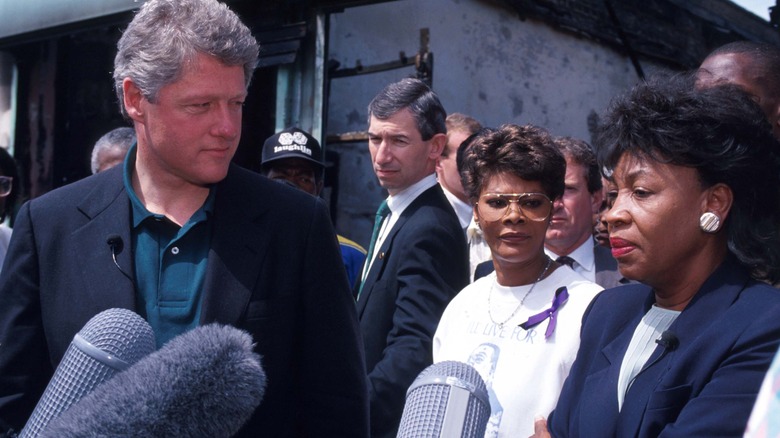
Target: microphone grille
451 368
121 333
116 333
427 400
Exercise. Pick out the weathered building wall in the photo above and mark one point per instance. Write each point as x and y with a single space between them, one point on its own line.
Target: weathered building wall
554 63
488 63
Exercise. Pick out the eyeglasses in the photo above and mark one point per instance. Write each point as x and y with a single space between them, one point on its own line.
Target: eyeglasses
6 184
534 206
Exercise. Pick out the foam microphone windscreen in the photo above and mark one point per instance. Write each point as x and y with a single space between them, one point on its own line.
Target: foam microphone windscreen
448 399
110 342
203 383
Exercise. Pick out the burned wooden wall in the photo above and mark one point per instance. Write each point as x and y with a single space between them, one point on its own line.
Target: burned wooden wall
679 33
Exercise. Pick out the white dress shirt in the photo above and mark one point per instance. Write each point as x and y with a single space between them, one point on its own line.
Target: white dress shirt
464 210
584 260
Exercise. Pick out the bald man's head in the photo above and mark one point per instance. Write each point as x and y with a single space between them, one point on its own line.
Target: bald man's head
751 66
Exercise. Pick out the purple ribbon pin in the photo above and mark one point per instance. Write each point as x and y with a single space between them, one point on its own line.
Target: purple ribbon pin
561 296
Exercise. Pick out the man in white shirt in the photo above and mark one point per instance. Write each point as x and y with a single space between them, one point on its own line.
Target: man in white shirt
459 128
570 234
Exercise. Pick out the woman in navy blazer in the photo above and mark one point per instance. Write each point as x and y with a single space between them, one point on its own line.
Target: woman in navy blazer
694 219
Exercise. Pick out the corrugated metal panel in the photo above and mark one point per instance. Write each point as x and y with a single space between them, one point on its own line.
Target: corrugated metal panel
23 16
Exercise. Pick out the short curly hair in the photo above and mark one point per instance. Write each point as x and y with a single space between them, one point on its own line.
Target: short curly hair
526 151
723 134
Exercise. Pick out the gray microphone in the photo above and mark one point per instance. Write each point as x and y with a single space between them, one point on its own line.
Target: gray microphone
206 382
448 399
111 341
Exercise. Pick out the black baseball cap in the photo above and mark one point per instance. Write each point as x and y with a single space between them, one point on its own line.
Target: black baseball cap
292 143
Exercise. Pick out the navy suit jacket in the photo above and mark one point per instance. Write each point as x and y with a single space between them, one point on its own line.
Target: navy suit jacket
421 265
704 387
273 269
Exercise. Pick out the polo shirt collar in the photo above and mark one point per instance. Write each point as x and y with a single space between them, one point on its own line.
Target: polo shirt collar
139 211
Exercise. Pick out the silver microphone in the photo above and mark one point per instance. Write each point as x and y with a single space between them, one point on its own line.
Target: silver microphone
110 342
447 399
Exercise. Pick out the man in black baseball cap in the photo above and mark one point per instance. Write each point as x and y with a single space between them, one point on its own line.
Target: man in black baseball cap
295 157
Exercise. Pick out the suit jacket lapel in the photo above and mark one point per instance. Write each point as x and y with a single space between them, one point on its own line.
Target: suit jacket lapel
600 386
238 246
107 210
381 257
380 260
714 297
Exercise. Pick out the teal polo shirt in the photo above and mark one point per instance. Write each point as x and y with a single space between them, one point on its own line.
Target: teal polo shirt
170 262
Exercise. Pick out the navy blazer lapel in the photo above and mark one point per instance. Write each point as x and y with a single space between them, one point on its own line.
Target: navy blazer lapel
714 298
638 394
600 385
107 212
381 257
616 349
380 260
238 245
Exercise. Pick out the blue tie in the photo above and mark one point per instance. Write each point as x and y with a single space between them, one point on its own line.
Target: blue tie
381 214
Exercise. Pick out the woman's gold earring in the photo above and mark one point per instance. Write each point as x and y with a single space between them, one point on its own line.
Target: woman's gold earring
709 222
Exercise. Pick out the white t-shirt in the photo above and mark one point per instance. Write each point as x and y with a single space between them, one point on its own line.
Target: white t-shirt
524 372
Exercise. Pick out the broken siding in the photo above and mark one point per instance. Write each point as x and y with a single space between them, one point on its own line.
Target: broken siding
677 32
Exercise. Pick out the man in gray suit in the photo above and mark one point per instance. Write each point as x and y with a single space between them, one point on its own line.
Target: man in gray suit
570 235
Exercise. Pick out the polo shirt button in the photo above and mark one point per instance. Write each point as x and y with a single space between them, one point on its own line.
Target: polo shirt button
175 250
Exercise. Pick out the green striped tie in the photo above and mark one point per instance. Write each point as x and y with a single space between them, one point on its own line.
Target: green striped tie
381 214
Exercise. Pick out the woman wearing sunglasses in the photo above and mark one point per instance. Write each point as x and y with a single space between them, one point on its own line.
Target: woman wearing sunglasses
518 326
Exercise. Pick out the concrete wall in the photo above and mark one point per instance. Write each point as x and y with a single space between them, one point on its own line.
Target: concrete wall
487 63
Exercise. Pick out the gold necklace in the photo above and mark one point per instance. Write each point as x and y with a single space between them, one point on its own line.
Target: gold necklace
490 294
